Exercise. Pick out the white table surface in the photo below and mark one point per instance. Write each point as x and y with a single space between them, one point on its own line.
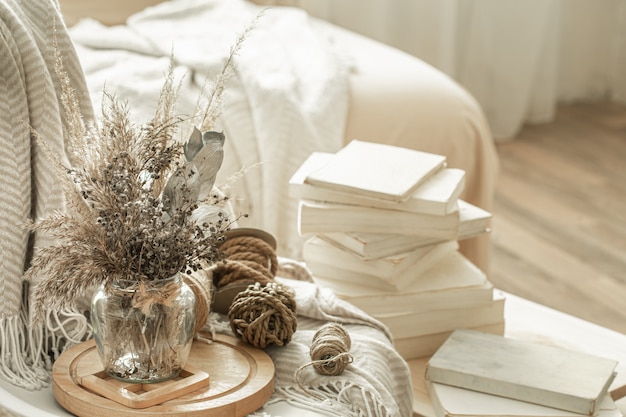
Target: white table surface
524 319
42 404
530 321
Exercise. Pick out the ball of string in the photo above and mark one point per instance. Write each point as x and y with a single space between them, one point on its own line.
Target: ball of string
264 313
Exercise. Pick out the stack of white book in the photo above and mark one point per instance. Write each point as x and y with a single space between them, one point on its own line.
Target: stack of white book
384 224
479 374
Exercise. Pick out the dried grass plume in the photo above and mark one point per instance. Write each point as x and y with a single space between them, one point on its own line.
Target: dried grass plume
132 194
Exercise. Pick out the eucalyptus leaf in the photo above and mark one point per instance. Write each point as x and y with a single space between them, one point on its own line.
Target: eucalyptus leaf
209 160
204 153
183 187
193 145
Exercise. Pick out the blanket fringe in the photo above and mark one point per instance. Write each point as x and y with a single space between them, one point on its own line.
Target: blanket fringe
63 330
27 354
338 399
19 363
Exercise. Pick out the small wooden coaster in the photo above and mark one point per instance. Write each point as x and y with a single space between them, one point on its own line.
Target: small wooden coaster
136 395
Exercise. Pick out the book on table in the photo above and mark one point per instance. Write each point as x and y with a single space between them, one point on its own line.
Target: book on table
399 271
437 195
376 170
329 276
437 321
473 221
541 374
374 301
453 281
317 217
450 401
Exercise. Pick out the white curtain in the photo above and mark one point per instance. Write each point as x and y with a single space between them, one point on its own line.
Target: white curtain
518 58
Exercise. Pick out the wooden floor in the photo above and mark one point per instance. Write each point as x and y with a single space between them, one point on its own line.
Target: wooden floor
559 226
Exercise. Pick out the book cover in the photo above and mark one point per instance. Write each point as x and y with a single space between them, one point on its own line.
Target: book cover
449 401
398 270
473 221
437 321
437 195
422 346
520 370
377 170
316 217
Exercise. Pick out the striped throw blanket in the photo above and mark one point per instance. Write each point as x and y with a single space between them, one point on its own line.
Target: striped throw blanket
29 98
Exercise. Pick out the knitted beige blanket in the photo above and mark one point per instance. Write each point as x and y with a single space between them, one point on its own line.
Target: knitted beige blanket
29 98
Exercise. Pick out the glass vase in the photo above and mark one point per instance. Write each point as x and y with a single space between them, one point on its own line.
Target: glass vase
144 332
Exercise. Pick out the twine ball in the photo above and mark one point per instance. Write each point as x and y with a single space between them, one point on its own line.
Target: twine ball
263 315
249 259
330 349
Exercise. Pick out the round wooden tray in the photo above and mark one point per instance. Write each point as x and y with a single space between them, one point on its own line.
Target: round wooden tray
241 381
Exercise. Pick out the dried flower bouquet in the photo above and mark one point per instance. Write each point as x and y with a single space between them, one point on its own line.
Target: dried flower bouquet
140 203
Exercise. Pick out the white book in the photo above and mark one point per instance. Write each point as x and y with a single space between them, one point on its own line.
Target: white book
437 195
473 221
316 217
437 321
398 270
407 302
454 281
328 271
521 370
377 170
420 346
329 276
449 401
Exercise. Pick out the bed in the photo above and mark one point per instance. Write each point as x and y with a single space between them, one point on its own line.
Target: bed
300 85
